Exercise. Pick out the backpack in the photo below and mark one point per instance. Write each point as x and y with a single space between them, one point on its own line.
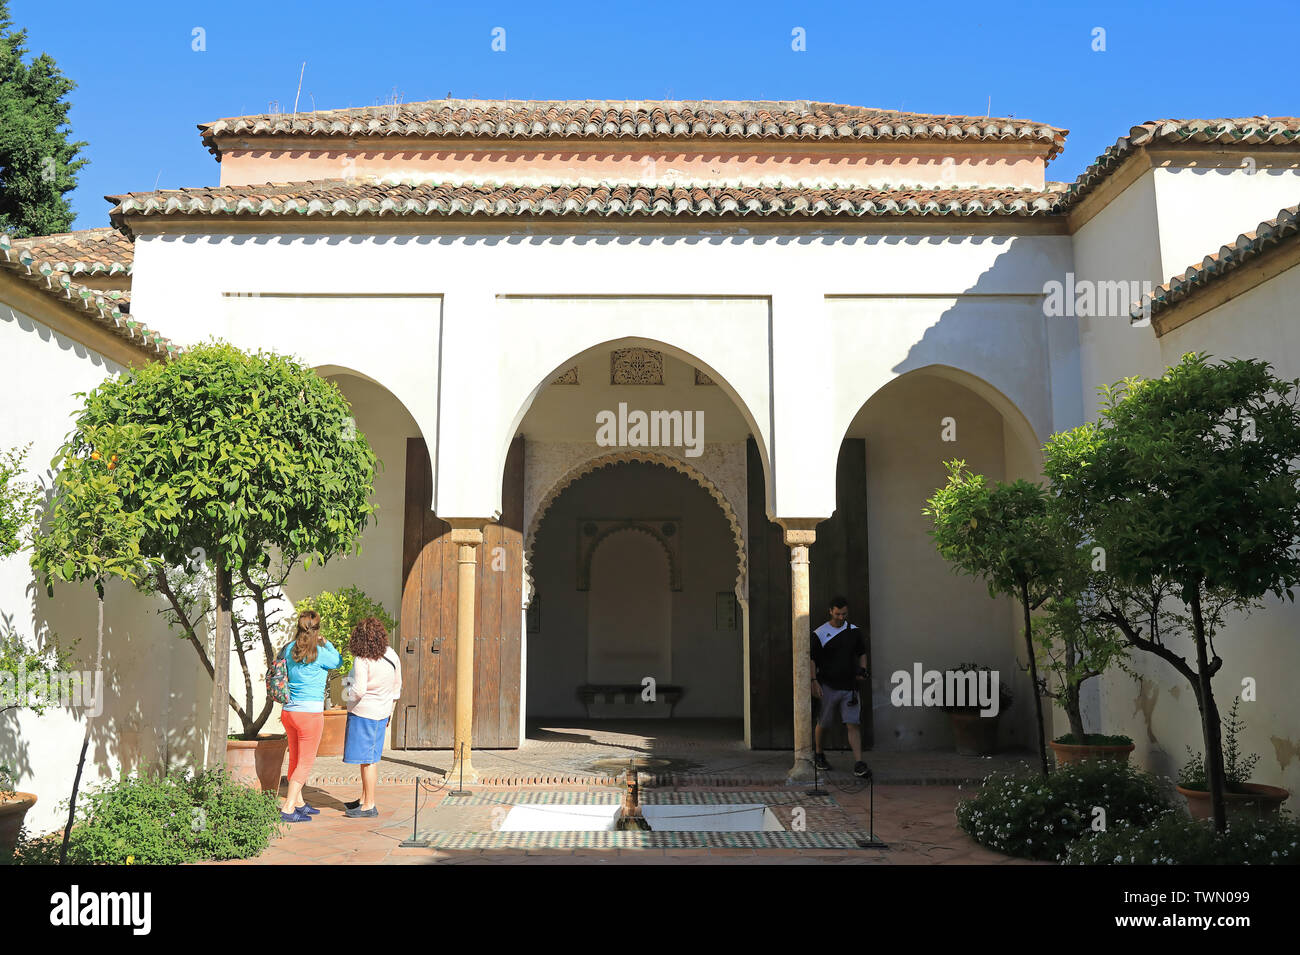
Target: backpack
277 679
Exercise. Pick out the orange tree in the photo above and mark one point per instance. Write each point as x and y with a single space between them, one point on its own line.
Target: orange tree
1191 485
241 460
1003 533
87 535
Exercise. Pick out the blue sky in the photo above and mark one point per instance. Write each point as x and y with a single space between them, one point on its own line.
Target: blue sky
142 88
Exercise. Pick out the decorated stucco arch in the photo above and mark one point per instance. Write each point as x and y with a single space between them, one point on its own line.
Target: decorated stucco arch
1028 442
624 456
507 436
333 370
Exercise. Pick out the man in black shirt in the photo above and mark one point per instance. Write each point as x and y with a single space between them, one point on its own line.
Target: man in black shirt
839 663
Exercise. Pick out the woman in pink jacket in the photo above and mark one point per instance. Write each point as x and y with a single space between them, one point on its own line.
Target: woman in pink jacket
371 690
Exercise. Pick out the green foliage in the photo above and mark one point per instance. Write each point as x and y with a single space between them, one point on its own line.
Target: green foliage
166 820
1073 644
1191 484
225 459
236 453
257 601
1236 767
89 532
1002 533
7 784
339 612
1191 477
38 163
16 657
18 501
1176 840
1036 818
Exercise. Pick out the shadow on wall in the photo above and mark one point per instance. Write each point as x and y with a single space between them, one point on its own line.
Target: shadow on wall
144 720
980 359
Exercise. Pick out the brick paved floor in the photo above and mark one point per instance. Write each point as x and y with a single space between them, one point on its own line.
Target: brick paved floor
915 797
916 822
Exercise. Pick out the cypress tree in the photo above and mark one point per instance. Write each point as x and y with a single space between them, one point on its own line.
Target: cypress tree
38 163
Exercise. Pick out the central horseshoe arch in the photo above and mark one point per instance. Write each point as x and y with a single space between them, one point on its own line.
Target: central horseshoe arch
646 457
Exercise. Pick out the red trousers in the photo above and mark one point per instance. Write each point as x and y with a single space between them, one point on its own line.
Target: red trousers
304 732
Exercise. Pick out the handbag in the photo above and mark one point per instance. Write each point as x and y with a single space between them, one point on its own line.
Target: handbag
277 679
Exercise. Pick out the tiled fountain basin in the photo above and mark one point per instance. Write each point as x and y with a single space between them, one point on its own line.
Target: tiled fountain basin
662 818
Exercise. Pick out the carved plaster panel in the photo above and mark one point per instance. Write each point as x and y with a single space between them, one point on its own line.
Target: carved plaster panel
636 366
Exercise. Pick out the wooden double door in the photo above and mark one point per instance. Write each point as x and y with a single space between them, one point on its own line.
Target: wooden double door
425 715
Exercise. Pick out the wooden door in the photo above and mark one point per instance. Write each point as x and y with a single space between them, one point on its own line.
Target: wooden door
426 712
838 565
771 715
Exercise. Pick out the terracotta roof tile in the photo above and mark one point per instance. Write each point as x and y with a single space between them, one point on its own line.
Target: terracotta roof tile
1284 227
103 251
1243 131
633 119
109 309
369 197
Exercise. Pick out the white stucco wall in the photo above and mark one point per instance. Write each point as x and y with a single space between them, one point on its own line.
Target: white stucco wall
1203 209
749 308
149 686
921 612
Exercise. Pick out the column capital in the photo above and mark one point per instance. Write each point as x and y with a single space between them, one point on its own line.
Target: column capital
800 531
467 530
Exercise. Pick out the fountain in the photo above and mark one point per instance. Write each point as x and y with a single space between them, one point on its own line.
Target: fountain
630 818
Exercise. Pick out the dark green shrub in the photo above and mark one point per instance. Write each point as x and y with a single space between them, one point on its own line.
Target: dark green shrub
166 820
1175 839
1034 818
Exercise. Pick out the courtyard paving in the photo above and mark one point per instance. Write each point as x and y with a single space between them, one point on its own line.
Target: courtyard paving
699 763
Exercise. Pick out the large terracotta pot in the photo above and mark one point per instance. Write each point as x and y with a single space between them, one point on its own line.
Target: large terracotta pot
257 762
1067 753
1257 800
12 813
331 737
972 734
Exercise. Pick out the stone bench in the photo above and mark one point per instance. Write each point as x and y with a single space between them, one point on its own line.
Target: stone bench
623 700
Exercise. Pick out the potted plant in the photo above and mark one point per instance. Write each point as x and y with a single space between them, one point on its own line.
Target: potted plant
1242 797
339 611
13 809
1078 647
41 668
1007 535
972 733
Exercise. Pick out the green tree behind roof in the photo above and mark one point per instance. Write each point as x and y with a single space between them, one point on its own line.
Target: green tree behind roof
38 163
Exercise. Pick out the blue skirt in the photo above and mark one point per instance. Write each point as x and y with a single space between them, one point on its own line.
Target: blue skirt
363 740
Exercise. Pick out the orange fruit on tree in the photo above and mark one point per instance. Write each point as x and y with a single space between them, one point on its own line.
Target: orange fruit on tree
94 455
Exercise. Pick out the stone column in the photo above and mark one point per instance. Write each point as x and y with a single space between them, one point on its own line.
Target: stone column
799 536
467 535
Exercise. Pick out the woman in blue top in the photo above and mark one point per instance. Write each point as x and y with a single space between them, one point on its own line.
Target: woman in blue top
309 659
